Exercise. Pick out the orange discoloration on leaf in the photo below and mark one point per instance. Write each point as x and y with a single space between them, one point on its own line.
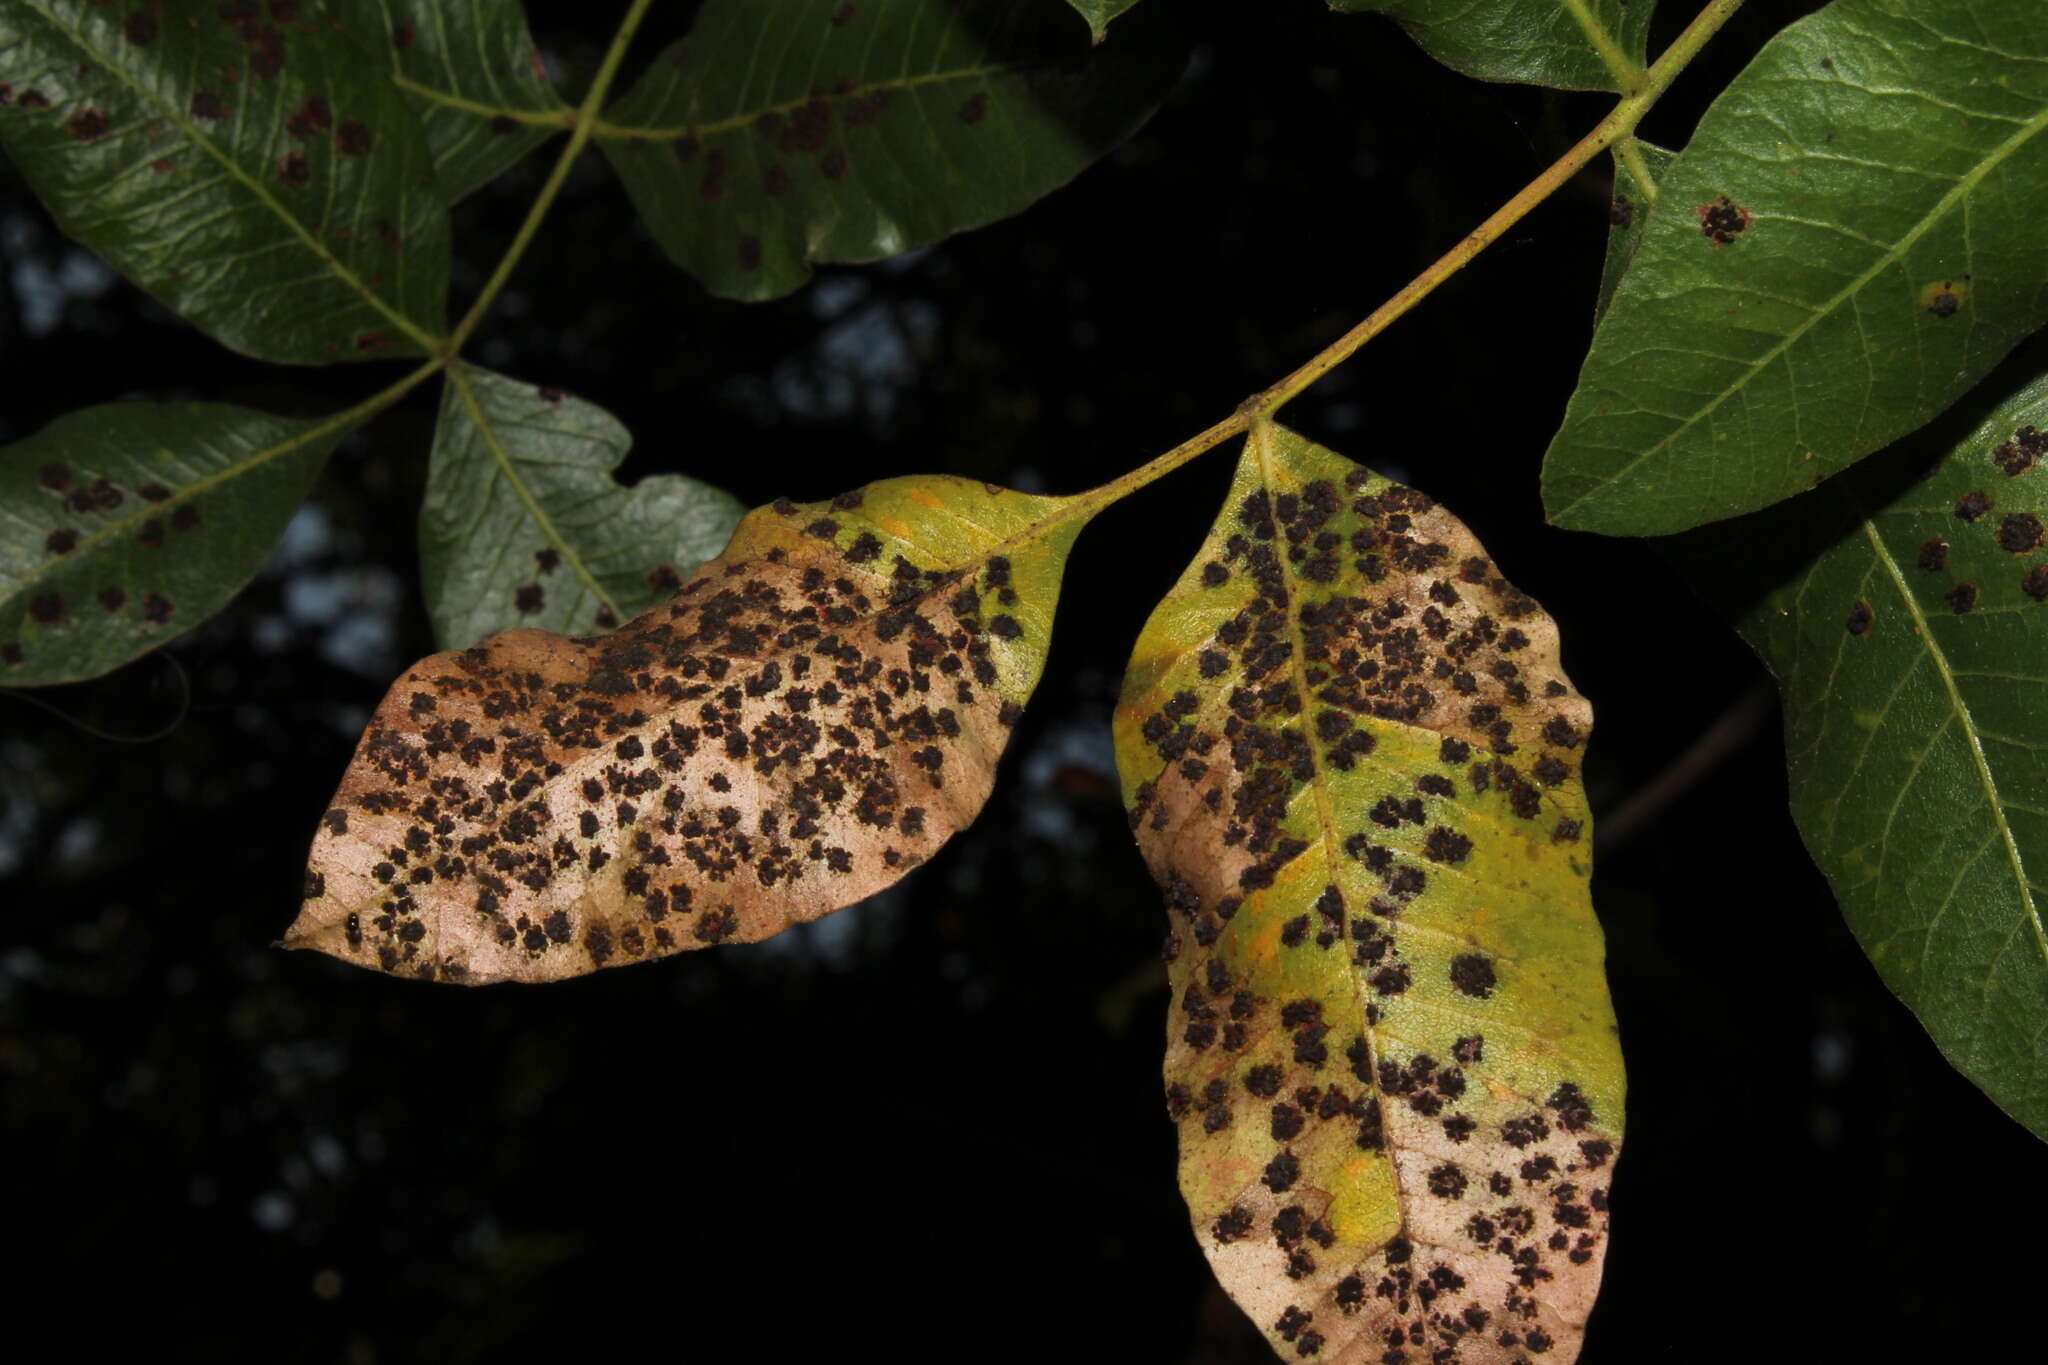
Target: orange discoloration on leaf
812 715
1347 746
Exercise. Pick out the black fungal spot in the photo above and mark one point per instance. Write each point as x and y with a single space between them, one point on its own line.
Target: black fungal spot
1234 1225
139 28
352 138
47 609
1722 221
974 108
529 598
2035 584
61 541
1962 598
1281 1173
112 598
293 170
2019 532
1621 212
1944 300
1443 845
1859 618
1934 554
1971 506
1473 975
750 253
88 125
2019 454
1447 1182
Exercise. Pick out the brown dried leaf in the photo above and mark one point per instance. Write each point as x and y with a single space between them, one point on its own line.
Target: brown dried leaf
814 713
1352 761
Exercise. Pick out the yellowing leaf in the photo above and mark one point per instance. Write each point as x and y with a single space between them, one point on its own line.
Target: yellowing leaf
814 713
1352 761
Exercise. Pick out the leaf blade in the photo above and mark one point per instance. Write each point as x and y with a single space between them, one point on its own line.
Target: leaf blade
1569 44
1855 249
750 175
281 211
473 77
1270 762
1906 644
123 526
813 714
523 525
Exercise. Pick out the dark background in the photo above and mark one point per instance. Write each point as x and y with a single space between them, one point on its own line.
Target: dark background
930 1124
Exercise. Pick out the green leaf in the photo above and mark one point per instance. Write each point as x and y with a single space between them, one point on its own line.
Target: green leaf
124 526
1639 169
1098 13
264 179
1572 44
815 713
1851 239
781 134
523 524
1352 761
1904 612
473 77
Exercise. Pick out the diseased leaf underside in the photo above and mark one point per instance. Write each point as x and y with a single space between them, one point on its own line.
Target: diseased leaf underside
524 525
262 176
1849 241
1904 612
126 525
1352 761
782 133
814 714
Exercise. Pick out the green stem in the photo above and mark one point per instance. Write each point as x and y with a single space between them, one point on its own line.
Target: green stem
1629 151
579 137
1627 75
1617 125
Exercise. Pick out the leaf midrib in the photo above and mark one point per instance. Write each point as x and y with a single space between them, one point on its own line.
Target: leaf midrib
735 122
426 340
1890 257
1962 712
1260 441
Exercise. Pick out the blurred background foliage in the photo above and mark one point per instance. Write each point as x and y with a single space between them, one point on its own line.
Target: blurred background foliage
932 1123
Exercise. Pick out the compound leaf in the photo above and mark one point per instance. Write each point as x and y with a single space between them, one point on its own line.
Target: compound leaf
1352 761
786 132
1850 240
815 713
124 526
253 169
523 523
1571 44
1903 608
473 77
